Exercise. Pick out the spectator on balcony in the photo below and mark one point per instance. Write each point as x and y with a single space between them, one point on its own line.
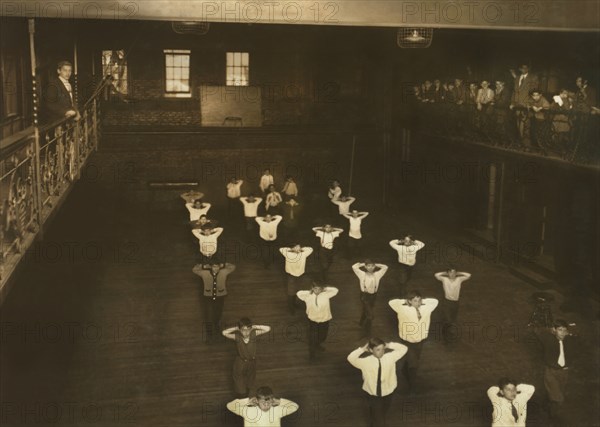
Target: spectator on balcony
585 96
524 83
428 92
472 94
450 96
416 93
59 96
501 95
499 107
484 100
485 96
460 93
437 91
561 123
538 105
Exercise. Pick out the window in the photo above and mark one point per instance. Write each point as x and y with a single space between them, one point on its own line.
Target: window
10 85
114 63
177 73
238 69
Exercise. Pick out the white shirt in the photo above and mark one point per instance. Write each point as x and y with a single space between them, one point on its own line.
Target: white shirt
273 199
208 244
327 238
265 182
410 328
452 287
67 85
290 189
355 224
195 214
255 417
502 415
233 190
369 282
335 193
268 230
369 366
344 207
250 208
295 262
317 306
407 254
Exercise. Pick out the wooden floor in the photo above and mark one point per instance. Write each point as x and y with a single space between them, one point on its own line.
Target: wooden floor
104 328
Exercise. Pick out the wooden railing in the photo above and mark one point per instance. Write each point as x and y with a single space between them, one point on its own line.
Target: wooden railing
36 174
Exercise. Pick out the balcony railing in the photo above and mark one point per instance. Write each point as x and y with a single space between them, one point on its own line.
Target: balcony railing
569 135
36 174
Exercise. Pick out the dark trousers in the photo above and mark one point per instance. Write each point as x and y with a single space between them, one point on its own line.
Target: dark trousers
411 365
317 334
555 382
251 227
268 252
368 311
325 260
213 311
353 248
450 328
293 283
234 206
378 409
244 376
405 275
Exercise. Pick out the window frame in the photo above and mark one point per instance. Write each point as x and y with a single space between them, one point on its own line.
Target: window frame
228 67
177 94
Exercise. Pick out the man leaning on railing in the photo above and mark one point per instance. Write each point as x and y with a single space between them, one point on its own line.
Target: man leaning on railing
59 99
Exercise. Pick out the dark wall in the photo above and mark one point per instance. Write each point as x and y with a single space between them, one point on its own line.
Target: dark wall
309 75
16 101
447 182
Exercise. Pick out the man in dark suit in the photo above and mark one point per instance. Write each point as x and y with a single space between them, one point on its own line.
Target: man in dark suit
524 83
59 97
558 354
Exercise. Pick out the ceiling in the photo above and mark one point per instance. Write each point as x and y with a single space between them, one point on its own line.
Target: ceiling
547 15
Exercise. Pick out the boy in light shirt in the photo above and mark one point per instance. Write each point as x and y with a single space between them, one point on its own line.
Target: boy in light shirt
264 410
207 237
414 320
451 281
268 233
354 234
318 311
295 266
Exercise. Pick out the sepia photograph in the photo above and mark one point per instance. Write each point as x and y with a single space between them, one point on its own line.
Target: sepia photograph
303 213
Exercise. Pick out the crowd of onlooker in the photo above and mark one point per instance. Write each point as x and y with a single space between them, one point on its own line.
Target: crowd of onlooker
520 109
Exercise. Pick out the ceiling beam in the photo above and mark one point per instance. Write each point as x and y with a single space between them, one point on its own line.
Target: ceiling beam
547 15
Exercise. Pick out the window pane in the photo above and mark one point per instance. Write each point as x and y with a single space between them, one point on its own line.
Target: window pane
185 73
185 61
169 59
245 59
